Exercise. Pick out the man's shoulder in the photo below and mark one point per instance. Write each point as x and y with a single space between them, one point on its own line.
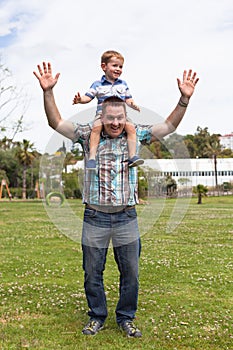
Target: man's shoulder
82 132
143 133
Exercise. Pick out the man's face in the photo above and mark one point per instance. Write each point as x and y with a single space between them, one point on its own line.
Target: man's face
114 120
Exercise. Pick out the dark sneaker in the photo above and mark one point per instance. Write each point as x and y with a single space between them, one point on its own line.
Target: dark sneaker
91 164
130 329
135 161
92 327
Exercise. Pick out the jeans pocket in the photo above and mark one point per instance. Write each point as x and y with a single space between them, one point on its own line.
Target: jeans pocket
131 213
89 213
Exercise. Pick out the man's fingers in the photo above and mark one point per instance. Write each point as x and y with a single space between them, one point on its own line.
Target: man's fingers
57 75
45 68
184 75
194 76
49 68
36 74
189 74
39 69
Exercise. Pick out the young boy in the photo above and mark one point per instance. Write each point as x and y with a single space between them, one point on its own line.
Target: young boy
110 85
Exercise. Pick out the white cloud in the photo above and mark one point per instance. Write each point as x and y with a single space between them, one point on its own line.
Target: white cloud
158 40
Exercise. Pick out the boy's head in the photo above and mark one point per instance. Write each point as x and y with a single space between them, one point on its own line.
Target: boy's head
112 64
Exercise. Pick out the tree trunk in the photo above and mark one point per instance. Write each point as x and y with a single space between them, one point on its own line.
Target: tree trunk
215 171
24 191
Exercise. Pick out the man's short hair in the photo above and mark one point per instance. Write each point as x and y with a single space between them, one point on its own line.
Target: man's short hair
113 101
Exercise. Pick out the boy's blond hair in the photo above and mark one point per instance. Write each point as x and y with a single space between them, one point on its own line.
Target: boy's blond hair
107 55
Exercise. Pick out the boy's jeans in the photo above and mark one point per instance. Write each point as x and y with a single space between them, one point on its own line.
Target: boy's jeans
98 229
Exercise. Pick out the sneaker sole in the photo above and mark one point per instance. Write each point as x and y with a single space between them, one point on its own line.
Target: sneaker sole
94 333
127 335
136 163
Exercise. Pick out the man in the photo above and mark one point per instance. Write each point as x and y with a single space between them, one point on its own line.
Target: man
110 196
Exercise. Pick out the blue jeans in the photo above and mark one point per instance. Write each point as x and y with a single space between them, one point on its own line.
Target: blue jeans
99 228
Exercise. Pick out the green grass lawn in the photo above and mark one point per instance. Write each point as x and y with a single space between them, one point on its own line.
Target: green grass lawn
186 282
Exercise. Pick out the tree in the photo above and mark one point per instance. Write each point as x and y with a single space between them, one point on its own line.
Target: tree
201 192
196 143
72 183
204 145
6 143
25 153
10 165
214 150
227 153
176 146
171 186
142 183
13 103
70 159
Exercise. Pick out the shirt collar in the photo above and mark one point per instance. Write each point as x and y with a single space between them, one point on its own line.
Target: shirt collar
103 80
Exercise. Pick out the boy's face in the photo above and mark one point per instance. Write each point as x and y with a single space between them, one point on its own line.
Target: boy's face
113 68
114 120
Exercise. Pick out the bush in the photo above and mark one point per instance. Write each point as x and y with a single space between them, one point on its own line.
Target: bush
16 192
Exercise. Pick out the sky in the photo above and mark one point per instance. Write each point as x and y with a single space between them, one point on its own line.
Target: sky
158 39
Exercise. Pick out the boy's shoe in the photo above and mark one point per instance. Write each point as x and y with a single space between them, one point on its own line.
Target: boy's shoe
135 161
92 327
130 329
91 164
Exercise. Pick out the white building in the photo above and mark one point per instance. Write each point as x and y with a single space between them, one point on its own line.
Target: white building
197 171
227 141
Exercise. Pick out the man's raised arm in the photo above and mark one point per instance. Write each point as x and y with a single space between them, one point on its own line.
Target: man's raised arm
47 83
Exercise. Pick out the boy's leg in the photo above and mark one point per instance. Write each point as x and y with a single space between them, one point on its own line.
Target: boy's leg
131 138
94 142
134 160
95 138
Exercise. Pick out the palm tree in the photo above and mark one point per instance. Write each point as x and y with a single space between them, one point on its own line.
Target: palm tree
171 186
204 145
213 150
25 153
201 192
6 143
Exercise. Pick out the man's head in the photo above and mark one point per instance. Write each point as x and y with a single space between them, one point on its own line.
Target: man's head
113 116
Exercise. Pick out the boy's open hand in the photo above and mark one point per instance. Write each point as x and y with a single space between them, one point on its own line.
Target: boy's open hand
134 106
77 99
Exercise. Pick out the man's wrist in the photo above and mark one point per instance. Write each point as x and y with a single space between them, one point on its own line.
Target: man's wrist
48 92
183 101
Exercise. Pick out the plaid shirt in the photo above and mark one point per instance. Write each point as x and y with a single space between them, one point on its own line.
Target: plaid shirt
114 183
